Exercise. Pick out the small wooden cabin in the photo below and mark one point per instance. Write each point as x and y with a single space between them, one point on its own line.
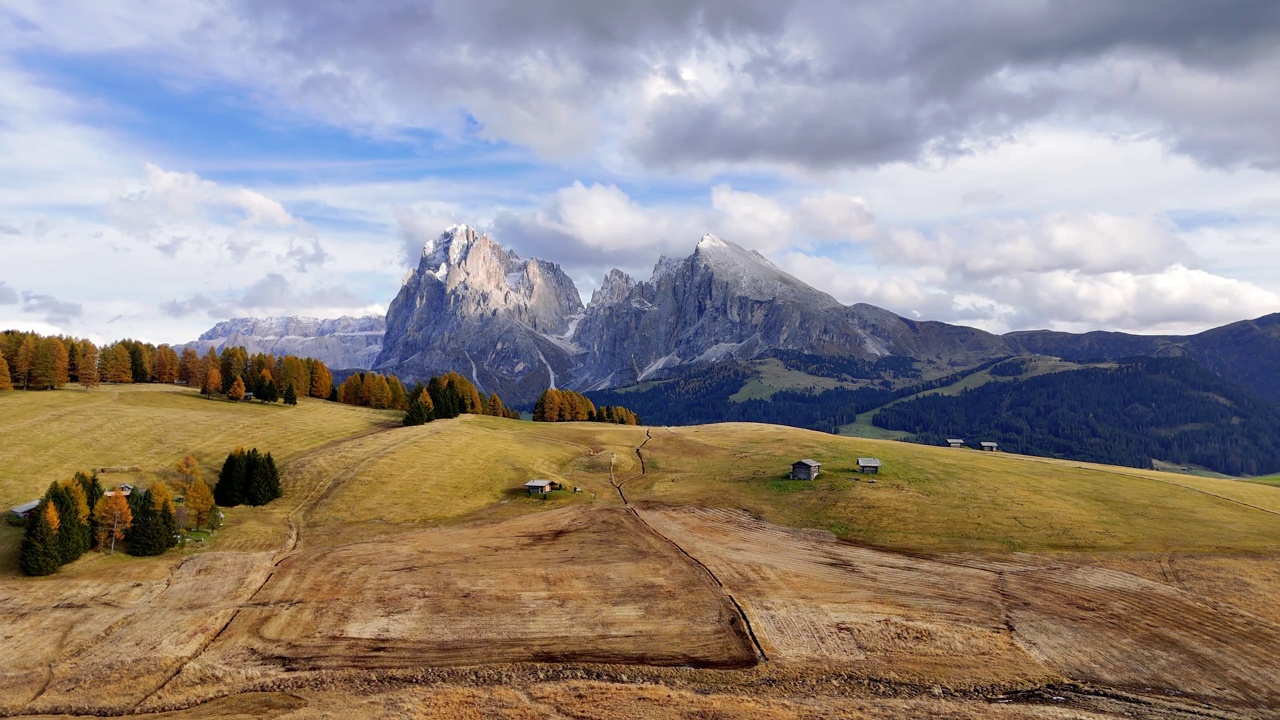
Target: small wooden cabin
869 465
806 469
990 446
540 487
24 509
955 442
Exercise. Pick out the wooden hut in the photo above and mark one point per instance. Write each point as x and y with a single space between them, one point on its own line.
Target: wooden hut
23 510
955 442
540 487
806 469
869 465
990 446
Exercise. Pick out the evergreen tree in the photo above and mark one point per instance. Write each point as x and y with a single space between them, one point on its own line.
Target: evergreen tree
147 536
38 554
6 383
139 362
74 536
262 481
167 511
417 413
235 393
264 388
290 395
229 491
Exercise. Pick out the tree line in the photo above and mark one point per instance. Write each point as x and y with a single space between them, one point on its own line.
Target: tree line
450 395
30 361
556 405
1170 409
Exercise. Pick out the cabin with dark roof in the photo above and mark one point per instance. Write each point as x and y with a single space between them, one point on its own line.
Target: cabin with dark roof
869 465
540 487
806 469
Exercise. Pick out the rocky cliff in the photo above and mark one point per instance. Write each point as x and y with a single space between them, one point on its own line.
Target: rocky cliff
519 326
474 307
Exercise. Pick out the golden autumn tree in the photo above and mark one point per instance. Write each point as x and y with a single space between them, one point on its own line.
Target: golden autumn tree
113 518
236 392
87 372
199 502
190 368
6 383
212 381
23 360
188 472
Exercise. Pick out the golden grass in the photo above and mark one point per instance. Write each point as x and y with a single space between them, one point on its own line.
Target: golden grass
454 469
50 435
939 499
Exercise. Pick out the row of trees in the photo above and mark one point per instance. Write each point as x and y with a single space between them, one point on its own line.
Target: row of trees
556 405
450 395
78 514
247 477
30 361
374 390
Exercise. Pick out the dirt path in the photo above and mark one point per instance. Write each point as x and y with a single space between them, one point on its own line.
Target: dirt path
746 621
297 522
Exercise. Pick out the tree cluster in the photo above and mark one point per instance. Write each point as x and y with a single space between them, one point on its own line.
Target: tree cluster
450 395
234 372
374 390
247 477
60 528
154 527
1170 409
568 406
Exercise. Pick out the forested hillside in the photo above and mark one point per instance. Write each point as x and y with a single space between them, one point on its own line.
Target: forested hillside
1170 409
702 394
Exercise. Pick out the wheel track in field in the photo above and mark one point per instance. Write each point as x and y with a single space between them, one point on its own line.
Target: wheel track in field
644 469
297 521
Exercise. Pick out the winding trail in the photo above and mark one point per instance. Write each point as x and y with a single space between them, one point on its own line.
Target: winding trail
618 484
297 522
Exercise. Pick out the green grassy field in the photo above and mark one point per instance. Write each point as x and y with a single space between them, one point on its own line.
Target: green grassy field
1269 480
774 376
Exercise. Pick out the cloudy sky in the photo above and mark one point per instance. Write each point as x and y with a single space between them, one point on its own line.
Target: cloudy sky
1016 164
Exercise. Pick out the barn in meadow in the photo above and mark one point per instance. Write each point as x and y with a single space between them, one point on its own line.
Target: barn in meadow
806 469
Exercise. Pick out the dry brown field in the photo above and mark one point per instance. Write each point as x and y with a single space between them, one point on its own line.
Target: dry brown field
405 574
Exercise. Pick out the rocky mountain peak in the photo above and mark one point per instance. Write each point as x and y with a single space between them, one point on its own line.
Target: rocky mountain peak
616 286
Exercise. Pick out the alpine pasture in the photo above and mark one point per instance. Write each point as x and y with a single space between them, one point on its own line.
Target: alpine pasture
407 568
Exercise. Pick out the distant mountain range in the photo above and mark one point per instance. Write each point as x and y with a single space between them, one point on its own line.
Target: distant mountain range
724 334
345 342
518 326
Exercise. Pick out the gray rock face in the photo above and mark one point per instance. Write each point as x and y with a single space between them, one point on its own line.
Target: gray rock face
345 342
474 307
519 326
727 302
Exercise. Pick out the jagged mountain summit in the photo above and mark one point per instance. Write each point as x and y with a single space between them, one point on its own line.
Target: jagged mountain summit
724 301
477 308
519 326
345 342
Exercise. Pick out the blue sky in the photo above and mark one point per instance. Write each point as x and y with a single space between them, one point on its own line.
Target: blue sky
160 168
